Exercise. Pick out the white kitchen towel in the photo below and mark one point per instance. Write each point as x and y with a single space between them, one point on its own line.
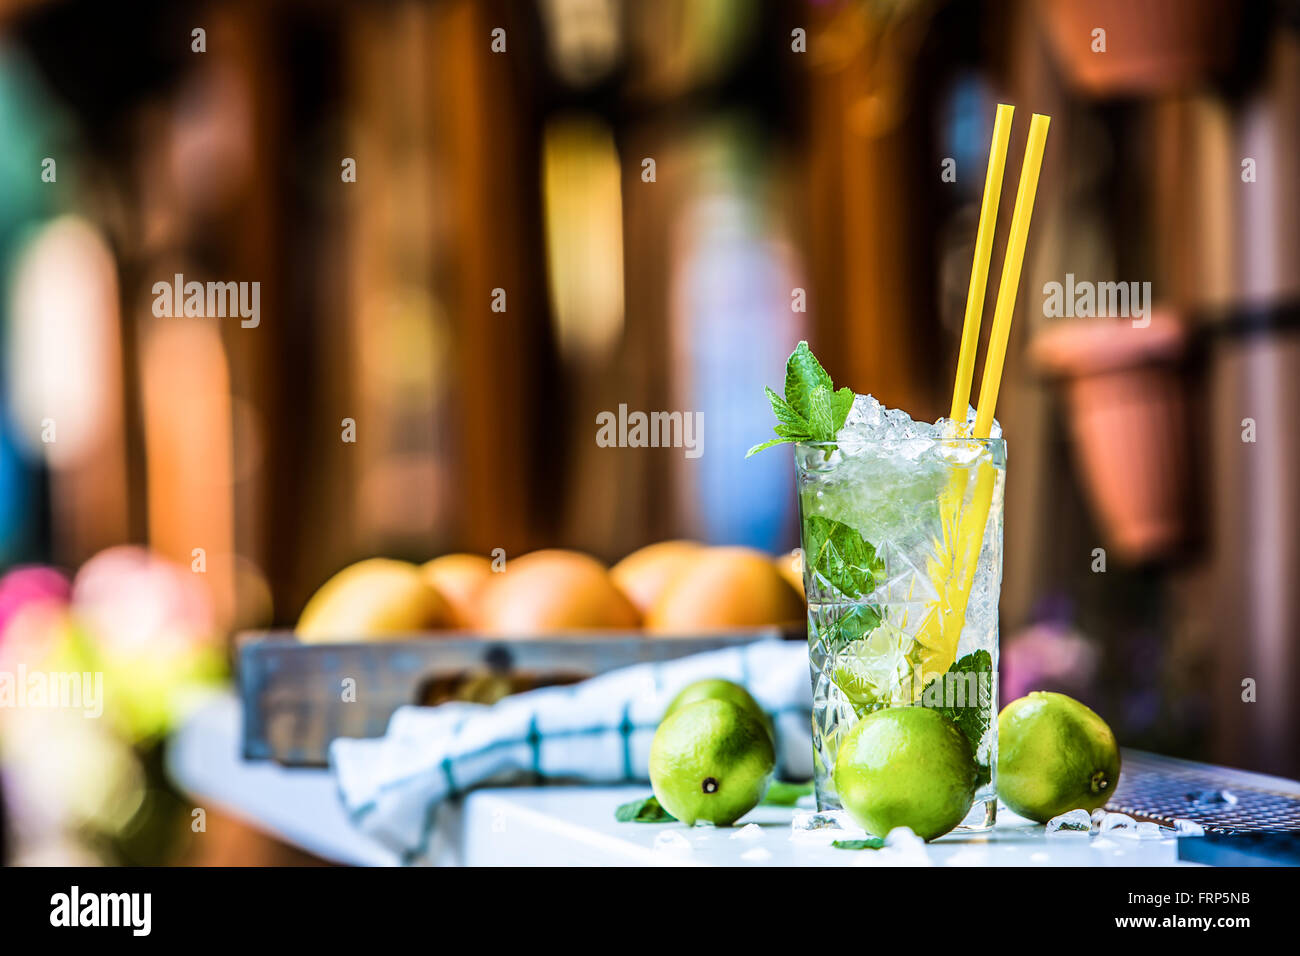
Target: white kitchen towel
598 731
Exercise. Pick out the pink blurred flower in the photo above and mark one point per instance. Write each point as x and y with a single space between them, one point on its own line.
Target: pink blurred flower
28 588
1047 656
133 602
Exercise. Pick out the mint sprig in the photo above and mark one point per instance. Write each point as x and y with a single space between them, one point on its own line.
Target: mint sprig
812 410
841 557
648 810
870 843
974 716
856 624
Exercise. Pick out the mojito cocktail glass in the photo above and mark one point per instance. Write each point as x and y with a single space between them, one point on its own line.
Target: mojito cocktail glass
901 527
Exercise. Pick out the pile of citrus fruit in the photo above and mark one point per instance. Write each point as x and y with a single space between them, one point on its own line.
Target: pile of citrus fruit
668 589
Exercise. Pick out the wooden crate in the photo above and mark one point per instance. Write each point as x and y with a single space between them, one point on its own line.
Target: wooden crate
293 694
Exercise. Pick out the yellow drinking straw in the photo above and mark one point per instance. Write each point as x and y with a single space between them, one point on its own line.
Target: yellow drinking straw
979 272
952 566
1015 258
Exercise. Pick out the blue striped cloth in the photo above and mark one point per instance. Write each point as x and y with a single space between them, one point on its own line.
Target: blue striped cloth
598 732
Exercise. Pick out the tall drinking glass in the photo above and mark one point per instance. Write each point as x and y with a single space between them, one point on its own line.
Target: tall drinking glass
902 545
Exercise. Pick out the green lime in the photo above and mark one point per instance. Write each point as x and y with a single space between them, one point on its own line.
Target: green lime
715 688
1054 755
712 761
906 767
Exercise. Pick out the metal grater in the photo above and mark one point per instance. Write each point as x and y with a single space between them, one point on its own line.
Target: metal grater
1220 799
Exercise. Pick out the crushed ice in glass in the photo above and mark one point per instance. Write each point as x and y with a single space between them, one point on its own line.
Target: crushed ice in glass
868 420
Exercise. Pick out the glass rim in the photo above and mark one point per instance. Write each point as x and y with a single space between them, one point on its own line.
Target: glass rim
821 445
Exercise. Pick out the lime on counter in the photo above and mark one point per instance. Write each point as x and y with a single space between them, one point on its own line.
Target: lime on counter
711 761
715 688
1054 755
906 767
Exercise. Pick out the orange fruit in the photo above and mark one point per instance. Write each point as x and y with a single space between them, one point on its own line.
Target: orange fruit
460 578
645 573
551 591
725 589
790 565
370 599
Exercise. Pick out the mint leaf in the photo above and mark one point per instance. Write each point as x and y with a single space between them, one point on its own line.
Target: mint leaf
840 556
792 432
870 843
768 444
827 412
842 403
812 410
782 794
643 811
803 376
821 414
972 717
784 413
856 624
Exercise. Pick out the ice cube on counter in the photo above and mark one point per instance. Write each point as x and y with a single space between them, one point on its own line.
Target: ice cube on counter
1147 830
1188 828
902 848
969 856
1119 824
1212 798
816 820
903 838
1075 821
672 841
823 827
750 831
